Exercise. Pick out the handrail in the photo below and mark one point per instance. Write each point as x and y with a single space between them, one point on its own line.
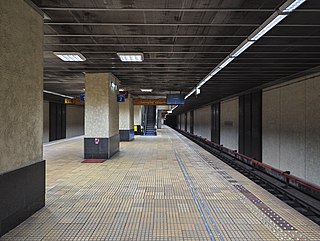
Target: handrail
284 176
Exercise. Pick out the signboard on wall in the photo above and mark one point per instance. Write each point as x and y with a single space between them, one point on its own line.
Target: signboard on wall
149 101
121 97
82 97
74 101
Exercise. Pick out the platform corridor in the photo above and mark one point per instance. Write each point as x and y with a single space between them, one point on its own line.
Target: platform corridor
157 188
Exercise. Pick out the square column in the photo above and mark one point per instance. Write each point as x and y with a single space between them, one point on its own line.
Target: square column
101 116
22 168
126 118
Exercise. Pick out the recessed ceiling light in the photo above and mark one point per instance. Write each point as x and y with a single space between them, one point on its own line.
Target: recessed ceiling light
70 56
146 90
131 57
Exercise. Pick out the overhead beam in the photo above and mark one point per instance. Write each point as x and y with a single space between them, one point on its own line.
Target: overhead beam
169 9
177 45
169 36
158 9
153 24
174 24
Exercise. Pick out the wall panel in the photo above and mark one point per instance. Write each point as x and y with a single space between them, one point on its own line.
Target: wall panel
229 125
291 128
202 122
74 121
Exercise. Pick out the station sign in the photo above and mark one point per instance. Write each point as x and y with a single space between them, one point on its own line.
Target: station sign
74 101
149 101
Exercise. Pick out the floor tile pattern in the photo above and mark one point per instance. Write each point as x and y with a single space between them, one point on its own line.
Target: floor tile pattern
157 188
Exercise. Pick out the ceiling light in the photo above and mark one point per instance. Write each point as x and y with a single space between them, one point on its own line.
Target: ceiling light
190 93
293 6
121 90
209 76
242 49
272 21
58 94
146 90
268 27
70 56
174 108
226 62
131 57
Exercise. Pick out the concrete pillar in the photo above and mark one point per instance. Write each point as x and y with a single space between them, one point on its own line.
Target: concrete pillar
101 116
137 109
22 169
126 119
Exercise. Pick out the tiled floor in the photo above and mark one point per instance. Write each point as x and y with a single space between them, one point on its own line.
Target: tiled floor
156 188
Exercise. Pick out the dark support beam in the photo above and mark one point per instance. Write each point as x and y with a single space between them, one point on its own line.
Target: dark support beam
250 125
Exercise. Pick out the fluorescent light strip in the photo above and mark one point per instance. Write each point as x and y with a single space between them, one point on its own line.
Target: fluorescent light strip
293 6
226 62
190 93
268 27
54 93
247 43
213 73
242 49
174 108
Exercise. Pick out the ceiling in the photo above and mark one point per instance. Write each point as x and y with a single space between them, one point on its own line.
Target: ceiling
182 41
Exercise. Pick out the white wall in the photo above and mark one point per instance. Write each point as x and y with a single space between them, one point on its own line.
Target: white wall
74 121
291 128
229 130
137 114
183 120
202 122
45 122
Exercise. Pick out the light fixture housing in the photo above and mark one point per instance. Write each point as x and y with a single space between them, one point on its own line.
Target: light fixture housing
226 62
58 94
262 31
130 57
70 56
198 91
290 7
242 48
146 90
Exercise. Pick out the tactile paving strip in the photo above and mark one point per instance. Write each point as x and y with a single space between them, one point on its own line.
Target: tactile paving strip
277 219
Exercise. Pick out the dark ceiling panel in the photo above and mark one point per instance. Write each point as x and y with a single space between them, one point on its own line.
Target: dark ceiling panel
182 41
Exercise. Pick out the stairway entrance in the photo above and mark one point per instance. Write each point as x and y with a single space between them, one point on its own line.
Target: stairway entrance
150 120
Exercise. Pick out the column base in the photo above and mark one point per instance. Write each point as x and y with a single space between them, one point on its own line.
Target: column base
105 149
126 135
22 194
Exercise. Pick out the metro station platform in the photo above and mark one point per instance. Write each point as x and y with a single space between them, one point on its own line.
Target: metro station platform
156 188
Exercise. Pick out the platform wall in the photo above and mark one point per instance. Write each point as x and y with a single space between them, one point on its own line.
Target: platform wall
291 128
202 122
229 123
75 121
188 121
